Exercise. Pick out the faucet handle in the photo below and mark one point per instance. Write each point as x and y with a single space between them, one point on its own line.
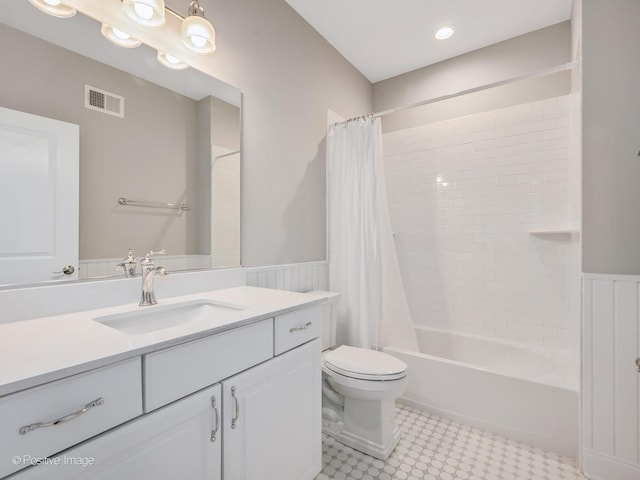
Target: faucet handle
148 261
147 257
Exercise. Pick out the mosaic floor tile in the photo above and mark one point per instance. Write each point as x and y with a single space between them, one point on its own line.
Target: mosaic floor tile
436 448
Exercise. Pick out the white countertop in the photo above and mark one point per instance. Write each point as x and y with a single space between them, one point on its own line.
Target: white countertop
33 352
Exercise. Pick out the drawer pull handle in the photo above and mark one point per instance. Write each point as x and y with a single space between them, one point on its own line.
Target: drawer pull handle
216 426
234 420
67 418
297 329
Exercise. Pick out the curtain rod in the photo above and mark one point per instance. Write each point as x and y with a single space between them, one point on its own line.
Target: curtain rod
541 73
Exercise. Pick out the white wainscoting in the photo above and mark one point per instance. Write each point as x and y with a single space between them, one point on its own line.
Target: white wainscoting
297 277
610 380
106 267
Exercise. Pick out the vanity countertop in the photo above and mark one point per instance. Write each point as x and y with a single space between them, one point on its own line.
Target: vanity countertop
33 352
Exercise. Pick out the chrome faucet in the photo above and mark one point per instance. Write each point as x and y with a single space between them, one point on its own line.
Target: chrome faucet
128 265
149 270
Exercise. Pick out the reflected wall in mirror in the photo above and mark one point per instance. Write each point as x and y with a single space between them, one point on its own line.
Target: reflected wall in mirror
175 139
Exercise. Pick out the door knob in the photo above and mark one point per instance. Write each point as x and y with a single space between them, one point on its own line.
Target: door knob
67 270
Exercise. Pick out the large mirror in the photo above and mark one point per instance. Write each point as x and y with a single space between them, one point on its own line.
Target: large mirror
158 154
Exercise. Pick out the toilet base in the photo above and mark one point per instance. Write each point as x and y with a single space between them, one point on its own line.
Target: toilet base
366 426
363 445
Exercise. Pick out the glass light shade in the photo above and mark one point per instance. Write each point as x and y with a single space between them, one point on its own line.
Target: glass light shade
171 62
54 7
445 32
148 13
119 37
199 35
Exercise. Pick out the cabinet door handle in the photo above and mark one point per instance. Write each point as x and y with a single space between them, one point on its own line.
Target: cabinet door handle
303 327
638 363
67 418
234 420
216 424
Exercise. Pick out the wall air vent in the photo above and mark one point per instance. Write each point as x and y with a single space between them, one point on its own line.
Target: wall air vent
103 101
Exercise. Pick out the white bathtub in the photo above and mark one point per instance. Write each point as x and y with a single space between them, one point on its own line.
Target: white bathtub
525 393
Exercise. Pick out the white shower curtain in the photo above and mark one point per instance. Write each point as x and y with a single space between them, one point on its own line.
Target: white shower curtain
363 265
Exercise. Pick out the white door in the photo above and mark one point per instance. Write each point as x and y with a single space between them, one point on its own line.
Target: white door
38 198
179 441
272 416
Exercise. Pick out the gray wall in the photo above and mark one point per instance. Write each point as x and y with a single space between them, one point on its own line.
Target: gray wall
611 126
289 76
512 58
524 91
151 154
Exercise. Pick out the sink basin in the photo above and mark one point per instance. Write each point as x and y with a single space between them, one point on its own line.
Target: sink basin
152 319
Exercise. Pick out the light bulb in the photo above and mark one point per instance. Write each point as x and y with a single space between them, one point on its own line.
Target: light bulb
120 34
198 41
144 11
198 35
148 13
55 8
171 62
118 37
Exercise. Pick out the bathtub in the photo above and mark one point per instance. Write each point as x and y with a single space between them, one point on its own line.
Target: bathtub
528 394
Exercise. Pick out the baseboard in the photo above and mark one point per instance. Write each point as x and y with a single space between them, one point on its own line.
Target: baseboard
598 466
530 438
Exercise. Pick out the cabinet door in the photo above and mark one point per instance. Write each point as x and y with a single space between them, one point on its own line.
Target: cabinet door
272 413
175 442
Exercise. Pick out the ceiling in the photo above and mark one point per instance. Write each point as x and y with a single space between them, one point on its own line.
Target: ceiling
385 38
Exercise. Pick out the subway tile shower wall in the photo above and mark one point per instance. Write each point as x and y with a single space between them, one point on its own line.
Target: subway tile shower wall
464 195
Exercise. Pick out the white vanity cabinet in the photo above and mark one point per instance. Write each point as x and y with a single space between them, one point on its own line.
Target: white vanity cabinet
271 420
180 441
244 404
175 372
45 420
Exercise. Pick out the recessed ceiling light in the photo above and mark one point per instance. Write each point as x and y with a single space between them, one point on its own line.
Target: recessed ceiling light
445 32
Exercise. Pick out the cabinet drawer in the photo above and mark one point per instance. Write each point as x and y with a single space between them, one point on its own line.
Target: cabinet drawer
171 443
178 371
34 411
295 328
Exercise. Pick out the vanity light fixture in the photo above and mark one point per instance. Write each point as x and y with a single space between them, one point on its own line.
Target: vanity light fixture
118 37
148 13
197 32
171 62
445 32
54 7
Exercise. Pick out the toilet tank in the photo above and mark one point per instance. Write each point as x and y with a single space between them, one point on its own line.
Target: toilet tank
329 316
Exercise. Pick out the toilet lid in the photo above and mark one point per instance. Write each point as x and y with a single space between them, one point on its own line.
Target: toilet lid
364 363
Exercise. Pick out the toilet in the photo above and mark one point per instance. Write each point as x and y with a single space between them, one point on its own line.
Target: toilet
359 390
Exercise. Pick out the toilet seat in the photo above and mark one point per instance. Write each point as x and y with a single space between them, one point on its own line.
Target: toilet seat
364 364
